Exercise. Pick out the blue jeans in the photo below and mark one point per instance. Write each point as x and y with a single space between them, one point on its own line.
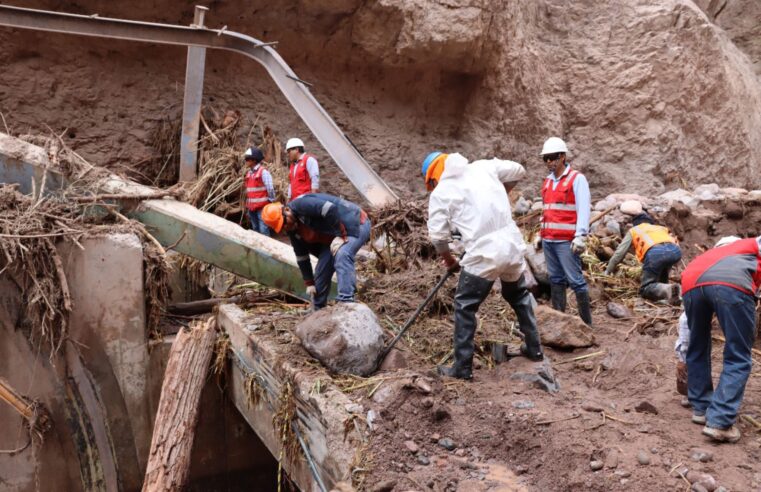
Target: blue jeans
257 224
655 267
736 313
563 266
343 265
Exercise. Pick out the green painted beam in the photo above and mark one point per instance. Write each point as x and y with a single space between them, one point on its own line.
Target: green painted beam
202 235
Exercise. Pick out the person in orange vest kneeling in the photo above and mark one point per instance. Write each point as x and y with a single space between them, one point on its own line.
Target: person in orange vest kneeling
259 189
304 171
657 249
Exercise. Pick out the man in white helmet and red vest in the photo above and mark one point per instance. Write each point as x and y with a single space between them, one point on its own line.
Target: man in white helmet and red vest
657 250
471 199
724 280
259 189
565 226
304 171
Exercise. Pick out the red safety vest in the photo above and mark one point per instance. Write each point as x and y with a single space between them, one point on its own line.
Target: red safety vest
301 182
736 265
256 192
559 214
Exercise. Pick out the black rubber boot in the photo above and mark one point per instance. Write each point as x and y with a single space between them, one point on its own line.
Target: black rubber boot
522 302
585 308
471 292
557 291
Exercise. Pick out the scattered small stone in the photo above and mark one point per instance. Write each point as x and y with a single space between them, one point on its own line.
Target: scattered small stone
584 365
734 210
596 465
447 444
423 460
354 408
646 407
618 310
427 402
523 404
613 227
435 437
423 386
623 473
654 450
644 429
702 455
459 452
704 479
697 487
643 458
721 489
371 418
411 447
440 412
623 481
521 469
591 406
384 486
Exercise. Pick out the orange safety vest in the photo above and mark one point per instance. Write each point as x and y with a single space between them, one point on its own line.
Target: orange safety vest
256 191
645 236
301 182
559 211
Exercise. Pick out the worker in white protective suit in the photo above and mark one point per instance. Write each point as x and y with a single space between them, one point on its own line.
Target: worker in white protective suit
471 200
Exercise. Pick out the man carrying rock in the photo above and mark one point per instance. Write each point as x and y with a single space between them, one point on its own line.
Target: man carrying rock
656 248
565 226
471 200
725 281
330 228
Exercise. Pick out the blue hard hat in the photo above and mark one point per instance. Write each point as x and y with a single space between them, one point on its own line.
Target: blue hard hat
428 160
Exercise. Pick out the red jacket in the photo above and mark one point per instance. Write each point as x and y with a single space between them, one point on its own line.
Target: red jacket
256 191
736 265
559 215
301 182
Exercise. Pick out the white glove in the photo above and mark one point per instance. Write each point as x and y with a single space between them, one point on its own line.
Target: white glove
336 245
311 290
578 245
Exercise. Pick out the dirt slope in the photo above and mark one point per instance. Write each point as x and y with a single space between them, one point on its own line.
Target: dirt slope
642 92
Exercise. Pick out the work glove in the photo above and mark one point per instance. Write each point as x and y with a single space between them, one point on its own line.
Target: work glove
336 245
578 245
311 291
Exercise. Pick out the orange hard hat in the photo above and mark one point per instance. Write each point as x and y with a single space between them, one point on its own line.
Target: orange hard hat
272 215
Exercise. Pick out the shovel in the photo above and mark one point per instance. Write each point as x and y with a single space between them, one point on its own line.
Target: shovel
412 319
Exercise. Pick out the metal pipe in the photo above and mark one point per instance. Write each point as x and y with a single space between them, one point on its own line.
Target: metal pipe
359 172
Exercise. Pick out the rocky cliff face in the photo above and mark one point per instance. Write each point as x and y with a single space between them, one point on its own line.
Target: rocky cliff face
646 93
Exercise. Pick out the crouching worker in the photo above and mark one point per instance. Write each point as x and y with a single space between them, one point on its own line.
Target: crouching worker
471 199
657 250
330 228
724 281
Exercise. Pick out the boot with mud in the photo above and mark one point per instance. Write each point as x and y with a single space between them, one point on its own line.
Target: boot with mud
558 297
585 308
520 299
471 292
730 434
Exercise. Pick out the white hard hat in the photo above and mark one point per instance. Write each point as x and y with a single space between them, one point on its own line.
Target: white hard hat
726 240
553 145
293 143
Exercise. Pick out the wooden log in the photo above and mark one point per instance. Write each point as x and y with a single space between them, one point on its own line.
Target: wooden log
177 415
199 307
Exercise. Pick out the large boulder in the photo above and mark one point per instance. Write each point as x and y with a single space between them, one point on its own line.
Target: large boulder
346 338
561 330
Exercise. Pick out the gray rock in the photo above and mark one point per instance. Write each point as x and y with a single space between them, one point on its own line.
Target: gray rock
623 473
543 377
591 406
596 465
702 455
354 408
411 447
384 486
611 459
423 460
561 330
537 263
522 206
447 443
643 458
523 404
537 205
346 337
646 407
617 310
613 227
704 479
697 487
